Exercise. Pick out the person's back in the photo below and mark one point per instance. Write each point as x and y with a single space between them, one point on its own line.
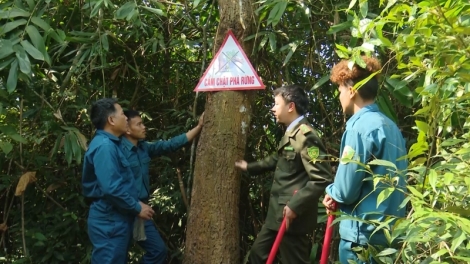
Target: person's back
385 142
96 158
369 135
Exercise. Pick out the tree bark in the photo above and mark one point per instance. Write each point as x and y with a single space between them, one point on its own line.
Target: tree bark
213 223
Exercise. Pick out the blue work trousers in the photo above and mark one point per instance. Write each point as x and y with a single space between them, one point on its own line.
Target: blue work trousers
155 249
110 239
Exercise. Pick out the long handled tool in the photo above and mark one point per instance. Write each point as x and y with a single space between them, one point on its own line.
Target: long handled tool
277 242
325 253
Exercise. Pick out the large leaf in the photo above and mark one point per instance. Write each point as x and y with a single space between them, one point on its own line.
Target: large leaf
320 82
155 11
363 7
12 77
6 63
96 8
277 12
293 47
383 195
38 41
68 148
386 252
13 12
386 107
76 150
12 25
125 10
6 48
400 91
6 147
385 163
104 42
340 27
31 50
272 41
40 23
23 60
10 131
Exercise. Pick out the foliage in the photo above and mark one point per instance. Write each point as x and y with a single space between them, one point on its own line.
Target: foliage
57 56
427 41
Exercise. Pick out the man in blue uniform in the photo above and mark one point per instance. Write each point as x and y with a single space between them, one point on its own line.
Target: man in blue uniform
108 181
369 135
139 153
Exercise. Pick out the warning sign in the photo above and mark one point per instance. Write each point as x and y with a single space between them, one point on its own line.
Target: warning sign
230 69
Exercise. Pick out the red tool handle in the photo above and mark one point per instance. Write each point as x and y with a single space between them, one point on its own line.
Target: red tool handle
325 253
277 242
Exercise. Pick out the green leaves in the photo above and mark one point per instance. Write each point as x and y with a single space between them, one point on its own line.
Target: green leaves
6 147
14 41
13 13
291 47
127 11
320 82
12 25
12 76
37 40
383 195
40 23
23 60
276 12
385 163
340 27
31 50
10 132
6 48
155 11
74 143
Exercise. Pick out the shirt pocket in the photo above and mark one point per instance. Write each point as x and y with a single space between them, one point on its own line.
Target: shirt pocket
145 163
288 164
126 171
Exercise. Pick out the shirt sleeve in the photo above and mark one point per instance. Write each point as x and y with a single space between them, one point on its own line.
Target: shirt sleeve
112 181
318 171
162 147
267 164
346 188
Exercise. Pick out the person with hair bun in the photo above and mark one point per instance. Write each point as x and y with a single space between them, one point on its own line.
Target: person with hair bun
369 135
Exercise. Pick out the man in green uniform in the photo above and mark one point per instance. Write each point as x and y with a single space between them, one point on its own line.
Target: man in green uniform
299 164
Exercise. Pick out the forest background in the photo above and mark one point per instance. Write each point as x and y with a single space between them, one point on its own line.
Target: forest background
58 56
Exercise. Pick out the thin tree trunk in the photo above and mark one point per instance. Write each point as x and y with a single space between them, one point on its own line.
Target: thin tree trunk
213 224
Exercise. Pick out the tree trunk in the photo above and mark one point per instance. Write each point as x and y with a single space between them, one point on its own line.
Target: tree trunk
213 223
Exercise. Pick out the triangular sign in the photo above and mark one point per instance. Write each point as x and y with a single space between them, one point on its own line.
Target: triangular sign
230 69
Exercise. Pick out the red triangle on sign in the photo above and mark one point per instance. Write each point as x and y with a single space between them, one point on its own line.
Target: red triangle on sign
230 69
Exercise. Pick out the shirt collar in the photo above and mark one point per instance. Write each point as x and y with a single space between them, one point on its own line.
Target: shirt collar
107 134
294 123
368 108
126 143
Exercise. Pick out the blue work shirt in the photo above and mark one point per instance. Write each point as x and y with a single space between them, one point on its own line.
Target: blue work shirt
107 179
369 135
139 158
